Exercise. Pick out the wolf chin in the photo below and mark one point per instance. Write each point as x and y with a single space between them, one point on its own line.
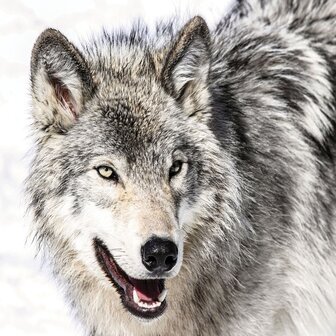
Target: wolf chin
184 181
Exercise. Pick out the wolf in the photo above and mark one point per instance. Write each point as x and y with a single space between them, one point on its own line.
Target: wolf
184 179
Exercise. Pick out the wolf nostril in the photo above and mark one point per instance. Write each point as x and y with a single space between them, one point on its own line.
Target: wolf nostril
159 255
170 260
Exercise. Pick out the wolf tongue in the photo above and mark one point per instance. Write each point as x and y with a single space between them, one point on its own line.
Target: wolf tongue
147 290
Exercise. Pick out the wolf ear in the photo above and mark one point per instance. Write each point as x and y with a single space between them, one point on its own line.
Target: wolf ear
61 82
185 71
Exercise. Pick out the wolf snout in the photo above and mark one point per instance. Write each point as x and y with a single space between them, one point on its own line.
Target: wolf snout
159 255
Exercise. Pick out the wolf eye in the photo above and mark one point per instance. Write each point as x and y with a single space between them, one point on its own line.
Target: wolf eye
175 168
107 173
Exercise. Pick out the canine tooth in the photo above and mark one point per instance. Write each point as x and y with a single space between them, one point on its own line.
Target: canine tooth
135 297
163 295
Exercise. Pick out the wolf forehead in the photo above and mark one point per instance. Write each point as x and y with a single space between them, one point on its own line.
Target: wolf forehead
134 107
134 116
127 125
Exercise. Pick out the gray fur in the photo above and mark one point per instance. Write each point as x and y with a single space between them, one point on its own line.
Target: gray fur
256 205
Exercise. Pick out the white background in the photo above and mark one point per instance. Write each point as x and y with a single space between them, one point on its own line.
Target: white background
30 304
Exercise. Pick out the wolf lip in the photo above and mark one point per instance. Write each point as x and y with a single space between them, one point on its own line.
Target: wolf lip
143 298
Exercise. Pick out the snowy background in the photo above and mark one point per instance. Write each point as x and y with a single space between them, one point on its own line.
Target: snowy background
29 302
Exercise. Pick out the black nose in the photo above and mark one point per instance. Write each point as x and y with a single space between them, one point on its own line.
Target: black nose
159 255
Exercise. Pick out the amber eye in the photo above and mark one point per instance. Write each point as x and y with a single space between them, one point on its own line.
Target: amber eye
175 168
107 173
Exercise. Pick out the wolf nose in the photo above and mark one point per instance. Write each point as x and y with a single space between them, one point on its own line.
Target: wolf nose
159 255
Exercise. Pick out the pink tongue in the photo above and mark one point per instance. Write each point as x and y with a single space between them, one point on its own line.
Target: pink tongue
147 290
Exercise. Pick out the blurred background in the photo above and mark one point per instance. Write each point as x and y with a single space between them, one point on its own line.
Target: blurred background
29 301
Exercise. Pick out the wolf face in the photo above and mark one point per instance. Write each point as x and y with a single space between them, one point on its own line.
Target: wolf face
121 162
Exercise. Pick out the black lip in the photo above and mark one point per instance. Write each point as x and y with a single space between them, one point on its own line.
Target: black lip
122 284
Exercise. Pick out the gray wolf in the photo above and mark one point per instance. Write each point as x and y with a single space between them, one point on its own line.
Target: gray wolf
184 180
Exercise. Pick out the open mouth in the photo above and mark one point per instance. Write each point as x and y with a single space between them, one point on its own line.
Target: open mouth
143 298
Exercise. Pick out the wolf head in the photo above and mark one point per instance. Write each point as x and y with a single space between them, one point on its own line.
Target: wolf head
126 165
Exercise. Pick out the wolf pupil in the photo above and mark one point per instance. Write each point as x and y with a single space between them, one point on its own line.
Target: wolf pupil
175 168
